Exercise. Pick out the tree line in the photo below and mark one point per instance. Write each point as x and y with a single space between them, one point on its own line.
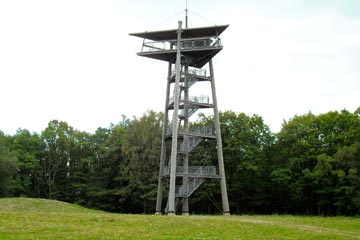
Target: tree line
312 166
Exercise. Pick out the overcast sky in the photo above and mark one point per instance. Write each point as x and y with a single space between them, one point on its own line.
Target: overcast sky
74 60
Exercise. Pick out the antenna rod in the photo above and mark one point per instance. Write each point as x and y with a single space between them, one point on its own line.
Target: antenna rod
186 15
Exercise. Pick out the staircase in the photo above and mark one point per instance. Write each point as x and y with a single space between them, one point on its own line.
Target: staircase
190 145
192 108
191 177
183 191
207 131
194 131
191 81
192 76
197 175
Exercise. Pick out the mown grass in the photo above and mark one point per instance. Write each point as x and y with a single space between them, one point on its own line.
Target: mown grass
22 218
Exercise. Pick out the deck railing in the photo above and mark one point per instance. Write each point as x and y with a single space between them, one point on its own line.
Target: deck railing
186 44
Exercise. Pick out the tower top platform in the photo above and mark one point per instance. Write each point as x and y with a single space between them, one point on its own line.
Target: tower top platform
198 45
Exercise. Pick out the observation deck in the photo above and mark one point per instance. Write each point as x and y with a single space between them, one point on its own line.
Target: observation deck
198 45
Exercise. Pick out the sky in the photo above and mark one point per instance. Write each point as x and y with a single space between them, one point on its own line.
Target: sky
73 60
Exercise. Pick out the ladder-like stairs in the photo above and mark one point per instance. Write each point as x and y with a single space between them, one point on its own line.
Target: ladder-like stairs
187 147
192 108
195 176
183 191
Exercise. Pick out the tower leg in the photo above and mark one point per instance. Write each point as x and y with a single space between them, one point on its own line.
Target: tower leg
163 146
175 121
224 196
185 202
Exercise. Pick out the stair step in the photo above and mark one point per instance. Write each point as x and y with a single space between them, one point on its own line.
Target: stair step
190 145
192 108
186 191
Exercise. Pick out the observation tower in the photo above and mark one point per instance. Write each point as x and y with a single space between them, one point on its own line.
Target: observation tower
189 53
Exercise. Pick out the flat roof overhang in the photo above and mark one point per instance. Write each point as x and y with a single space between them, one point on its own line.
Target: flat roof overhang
185 33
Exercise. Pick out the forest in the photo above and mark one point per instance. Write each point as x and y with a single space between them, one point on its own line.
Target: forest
311 166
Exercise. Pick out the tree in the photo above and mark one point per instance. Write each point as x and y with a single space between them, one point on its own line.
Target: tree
142 143
80 168
295 154
8 165
106 187
311 166
57 138
308 151
28 149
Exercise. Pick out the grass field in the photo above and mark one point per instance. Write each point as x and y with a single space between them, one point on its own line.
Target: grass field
22 218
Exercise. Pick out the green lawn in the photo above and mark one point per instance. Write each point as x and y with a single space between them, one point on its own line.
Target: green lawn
22 218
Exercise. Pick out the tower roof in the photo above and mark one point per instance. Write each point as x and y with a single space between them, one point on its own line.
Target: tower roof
185 33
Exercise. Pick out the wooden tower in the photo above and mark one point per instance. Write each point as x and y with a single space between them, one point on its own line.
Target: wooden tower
189 52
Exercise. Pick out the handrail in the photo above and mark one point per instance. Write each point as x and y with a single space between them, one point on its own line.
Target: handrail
198 130
192 109
187 190
190 144
193 170
189 43
197 99
193 72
